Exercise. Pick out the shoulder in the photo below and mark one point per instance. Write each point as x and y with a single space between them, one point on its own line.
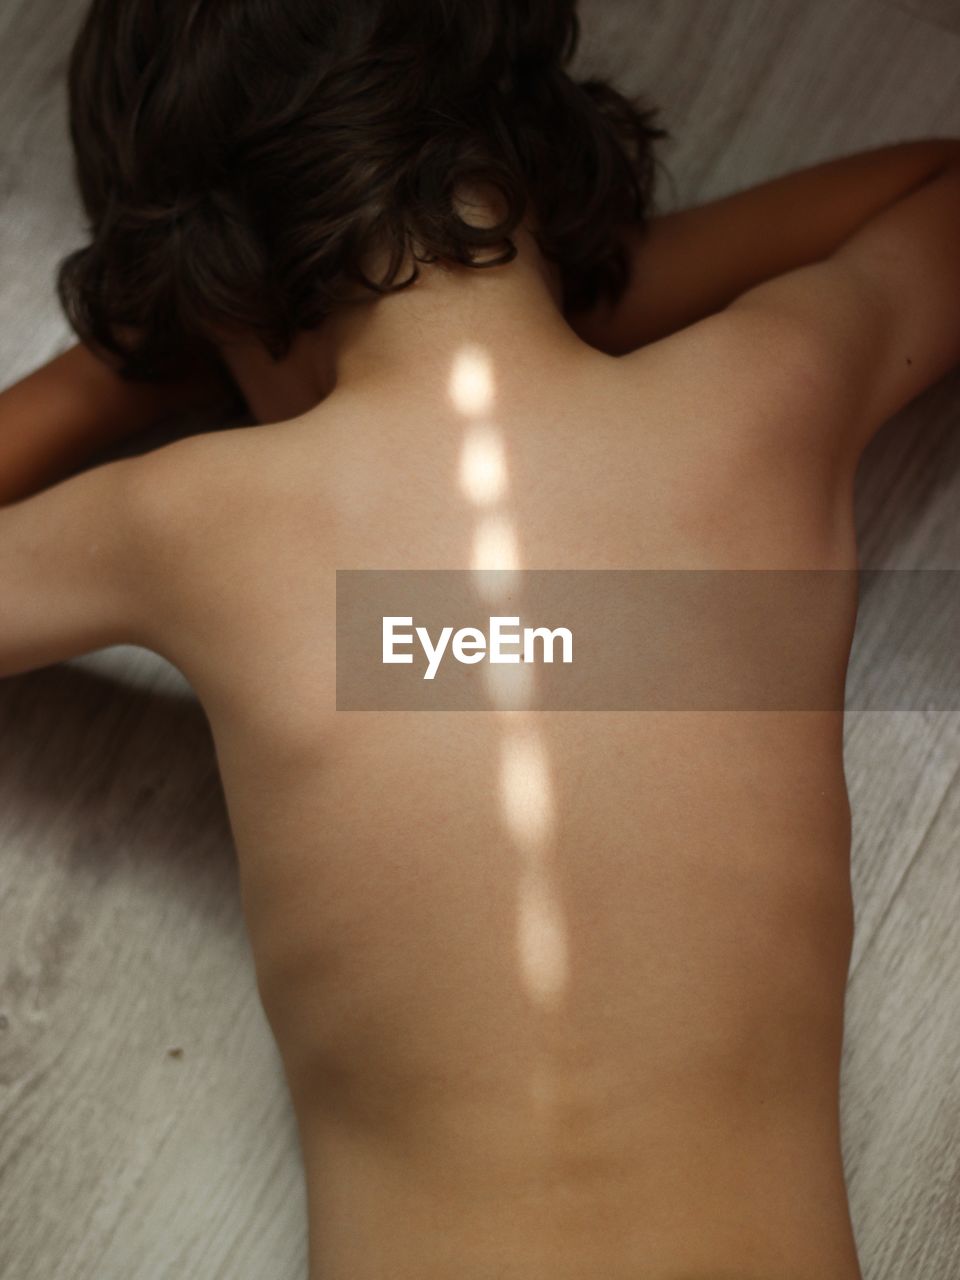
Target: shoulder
221 517
196 472
190 504
760 377
754 413
194 497
749 347
107 556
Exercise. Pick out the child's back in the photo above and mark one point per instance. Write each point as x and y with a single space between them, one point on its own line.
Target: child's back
559 994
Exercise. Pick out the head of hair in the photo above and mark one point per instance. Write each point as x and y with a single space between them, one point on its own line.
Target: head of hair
237 160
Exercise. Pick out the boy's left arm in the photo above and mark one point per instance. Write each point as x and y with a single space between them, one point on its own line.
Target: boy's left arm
694 262
75 567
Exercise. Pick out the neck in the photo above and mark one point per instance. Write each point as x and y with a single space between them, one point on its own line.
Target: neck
513 310
406 342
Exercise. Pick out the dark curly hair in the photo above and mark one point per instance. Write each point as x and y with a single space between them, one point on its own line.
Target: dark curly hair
237 158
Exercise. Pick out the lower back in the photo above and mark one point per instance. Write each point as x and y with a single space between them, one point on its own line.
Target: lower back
602 1041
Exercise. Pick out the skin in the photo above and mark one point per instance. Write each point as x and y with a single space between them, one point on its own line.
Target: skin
655 1092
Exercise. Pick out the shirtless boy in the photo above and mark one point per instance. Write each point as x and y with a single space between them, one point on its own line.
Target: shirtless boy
663 1104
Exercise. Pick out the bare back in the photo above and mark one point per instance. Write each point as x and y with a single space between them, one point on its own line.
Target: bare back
558 994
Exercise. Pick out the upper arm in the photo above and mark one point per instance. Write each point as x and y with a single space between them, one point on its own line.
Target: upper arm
877 321
76 568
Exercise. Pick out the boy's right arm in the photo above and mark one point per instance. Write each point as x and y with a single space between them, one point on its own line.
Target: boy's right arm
58 417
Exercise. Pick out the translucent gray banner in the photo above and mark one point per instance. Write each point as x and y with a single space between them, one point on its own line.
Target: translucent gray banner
648 639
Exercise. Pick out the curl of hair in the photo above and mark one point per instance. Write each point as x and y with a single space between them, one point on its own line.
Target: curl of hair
239 159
